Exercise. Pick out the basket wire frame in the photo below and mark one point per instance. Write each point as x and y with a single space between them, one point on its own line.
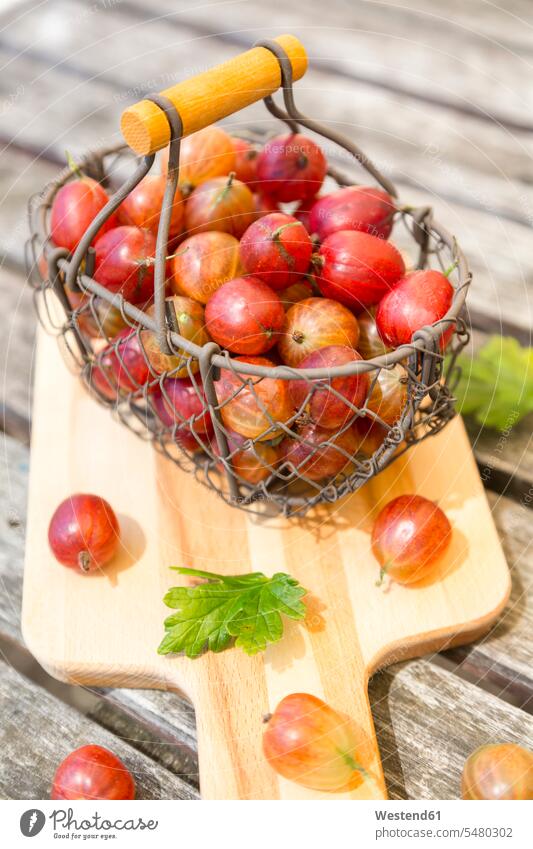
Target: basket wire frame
276 466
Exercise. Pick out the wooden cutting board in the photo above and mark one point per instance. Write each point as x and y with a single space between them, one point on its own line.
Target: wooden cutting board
104 630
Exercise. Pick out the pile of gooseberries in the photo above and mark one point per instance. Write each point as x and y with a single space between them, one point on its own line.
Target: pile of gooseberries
275 271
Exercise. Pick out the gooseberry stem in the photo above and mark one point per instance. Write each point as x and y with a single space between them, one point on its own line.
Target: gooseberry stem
74 167
382 573
84 561
450 269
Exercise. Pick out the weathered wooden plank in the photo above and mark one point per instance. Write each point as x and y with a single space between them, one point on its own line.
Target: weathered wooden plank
429 721
447 152
473 174
29 761
431 56
17 333
507 24
503 656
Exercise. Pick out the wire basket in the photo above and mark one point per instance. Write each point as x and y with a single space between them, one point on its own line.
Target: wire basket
276 459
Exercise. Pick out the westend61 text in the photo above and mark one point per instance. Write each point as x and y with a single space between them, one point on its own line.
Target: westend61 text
407 815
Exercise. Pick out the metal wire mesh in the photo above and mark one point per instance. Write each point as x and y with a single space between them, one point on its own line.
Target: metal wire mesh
246 430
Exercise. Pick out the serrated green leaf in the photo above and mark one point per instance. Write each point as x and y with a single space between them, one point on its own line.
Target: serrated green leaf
496 386
243 608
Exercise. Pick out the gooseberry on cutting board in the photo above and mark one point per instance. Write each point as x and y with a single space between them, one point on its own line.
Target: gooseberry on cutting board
309 742
277 249
409 536
319 453
498 771
84 532
316 323
245 316
357 269
324 406
204 263
74 207
258 399
189 320
362 208
418 299
223 204
142 207
124 263
92 772
291 167
203 155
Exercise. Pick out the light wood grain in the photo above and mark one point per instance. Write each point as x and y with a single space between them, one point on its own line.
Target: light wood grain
166 519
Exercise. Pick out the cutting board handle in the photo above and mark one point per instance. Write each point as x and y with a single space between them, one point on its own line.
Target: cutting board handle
233 697
211 95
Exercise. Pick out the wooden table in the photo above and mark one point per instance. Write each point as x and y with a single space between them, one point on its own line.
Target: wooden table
441 99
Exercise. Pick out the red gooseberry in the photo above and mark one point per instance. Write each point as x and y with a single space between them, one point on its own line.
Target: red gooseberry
246 155
498 771
251 462
142 207
84 532
204 263
277 249
322 399
291 167
223 204
362 208
309 742
357 269
92 772
251 405
317 453
419 299
121 366
74 207
124 263
316 323
205 154
409 536
245 316
188 320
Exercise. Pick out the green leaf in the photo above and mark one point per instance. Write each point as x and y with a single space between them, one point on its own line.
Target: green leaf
245 609
496 386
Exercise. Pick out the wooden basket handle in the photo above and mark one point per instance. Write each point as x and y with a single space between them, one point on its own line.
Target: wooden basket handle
212 95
